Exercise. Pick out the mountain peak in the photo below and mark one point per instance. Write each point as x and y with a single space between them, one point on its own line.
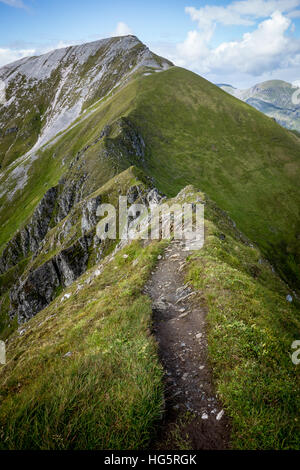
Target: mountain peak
40 67
54 88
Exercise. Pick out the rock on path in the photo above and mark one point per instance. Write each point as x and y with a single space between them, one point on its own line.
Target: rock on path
179 327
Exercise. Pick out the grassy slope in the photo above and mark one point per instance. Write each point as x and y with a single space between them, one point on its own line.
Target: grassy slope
107 393
55 241
195 134
251 327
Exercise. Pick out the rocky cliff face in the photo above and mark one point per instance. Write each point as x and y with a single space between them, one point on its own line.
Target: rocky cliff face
42 284
60 241
54 206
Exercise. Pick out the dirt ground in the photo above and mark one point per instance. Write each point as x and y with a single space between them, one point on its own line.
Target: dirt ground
194 418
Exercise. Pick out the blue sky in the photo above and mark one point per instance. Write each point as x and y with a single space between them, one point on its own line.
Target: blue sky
239 42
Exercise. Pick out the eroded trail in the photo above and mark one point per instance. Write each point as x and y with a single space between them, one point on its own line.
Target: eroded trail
194 417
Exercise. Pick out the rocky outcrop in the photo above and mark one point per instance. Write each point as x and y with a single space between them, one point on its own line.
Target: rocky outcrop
125 143
38 287
72 261
35 293
41 286
89 214
54 207
132 139
69 195
11 130
27 240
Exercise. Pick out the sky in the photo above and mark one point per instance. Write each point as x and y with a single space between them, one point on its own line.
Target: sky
235 42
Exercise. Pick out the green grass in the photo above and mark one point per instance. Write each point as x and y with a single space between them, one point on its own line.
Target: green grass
251 327
58 239
108 393
195 133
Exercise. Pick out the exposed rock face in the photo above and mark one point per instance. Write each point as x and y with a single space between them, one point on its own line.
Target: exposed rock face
11 130
35 293
54 207
154 197
132 138
27 240
135 192
41 284
72 261
89 216
69 196
127 141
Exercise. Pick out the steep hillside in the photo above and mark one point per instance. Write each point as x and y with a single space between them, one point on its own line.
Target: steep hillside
82 366
45 94
84 372
195 133
59 243
273 98
179 129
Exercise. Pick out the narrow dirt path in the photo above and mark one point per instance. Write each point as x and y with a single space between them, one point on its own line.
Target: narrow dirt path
193 417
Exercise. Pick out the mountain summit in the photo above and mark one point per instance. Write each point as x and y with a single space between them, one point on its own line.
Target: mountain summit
45 94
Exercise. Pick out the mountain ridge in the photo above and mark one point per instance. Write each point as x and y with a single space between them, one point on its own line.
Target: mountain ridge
83 369
59 85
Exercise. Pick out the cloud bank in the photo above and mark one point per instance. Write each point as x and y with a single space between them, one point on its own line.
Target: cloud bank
268 48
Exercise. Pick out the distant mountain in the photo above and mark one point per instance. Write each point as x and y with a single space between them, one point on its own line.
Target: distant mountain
273 98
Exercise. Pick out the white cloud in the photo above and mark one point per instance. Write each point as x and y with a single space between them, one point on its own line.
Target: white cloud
243 12
14 3
122 29
194 48
266 48
266 52
10 55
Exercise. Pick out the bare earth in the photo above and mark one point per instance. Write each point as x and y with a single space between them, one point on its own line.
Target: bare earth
194 417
